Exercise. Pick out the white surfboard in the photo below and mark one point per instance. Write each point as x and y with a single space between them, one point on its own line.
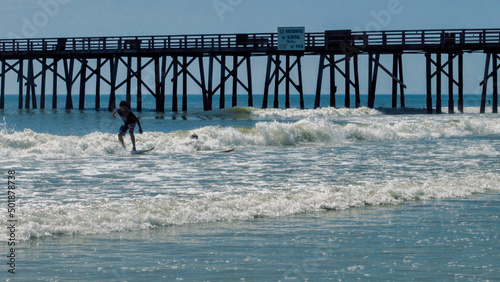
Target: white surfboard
138 152
216 151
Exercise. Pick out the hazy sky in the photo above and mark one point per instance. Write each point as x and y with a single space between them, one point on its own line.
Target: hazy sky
68 18
58 18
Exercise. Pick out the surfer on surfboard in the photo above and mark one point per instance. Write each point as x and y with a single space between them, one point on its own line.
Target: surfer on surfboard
129 123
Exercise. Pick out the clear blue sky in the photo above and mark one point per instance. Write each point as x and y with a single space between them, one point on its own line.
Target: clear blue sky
67 18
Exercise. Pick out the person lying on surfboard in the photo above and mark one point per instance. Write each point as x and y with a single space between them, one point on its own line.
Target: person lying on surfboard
129 123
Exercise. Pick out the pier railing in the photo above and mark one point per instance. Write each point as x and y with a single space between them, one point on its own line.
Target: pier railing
404 40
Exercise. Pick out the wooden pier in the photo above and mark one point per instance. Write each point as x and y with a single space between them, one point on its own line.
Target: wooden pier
179 59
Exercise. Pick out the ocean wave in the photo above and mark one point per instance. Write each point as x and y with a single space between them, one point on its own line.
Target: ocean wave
327 113
305 131
100 216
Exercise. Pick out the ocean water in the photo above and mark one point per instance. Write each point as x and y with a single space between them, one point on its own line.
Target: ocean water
325 194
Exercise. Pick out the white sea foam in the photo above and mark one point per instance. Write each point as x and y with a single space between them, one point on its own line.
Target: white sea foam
27 143
89 184
125 214
320 112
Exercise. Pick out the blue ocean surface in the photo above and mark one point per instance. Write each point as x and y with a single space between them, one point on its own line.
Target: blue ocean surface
313 194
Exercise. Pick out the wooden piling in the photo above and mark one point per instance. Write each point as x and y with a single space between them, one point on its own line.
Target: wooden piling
68 71
356 82
333 87
163 72
20 79
222 97
33 86
428 79
54 83
394 82
401 86
249 79
156 63
485 83
347 100
438 83
184 83
287 81
202 84
128 85
495 84
317 99
43 83
139 84
451 102
174 83
2 85
301 88
30 86
235 81
277 64
461 82
267 82
83 80
372 78
210 81
113 74
98 84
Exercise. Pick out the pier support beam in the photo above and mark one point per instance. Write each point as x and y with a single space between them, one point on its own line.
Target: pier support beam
2 85
225 74
184 83
235 81
83 80
491 59
347 98
164 73
204 91
54 84
139 83
317 100
174 83
345 73
451 102
98 84
440 69
20 79
283 74
495 84
128 86
43 86
438 83
68 71
30 86
428 79
372 78
160 101
222 91
113 67
333 87
397 74
357 99
461 82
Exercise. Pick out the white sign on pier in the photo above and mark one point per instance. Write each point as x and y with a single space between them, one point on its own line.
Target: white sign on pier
291 38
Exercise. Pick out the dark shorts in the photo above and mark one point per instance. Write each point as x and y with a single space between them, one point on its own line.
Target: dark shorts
124 128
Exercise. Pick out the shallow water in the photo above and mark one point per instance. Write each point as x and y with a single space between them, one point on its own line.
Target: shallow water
424 240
